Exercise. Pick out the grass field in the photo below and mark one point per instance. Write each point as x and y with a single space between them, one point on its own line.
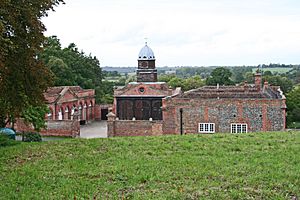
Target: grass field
218 166
279 70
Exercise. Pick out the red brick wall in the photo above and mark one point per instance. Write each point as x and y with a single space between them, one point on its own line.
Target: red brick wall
97 111
66 128
98 108
134 128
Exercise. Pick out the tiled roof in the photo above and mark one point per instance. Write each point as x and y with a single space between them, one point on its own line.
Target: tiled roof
53 93
242 91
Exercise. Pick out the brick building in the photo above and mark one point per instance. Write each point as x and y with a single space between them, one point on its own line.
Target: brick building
148 107
69 107
64 101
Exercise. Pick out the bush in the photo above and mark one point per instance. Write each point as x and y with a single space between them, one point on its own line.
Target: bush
6 141
32 137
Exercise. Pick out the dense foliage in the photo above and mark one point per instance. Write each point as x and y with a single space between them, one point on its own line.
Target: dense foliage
6 141
185 84
73 67
23 77
31 137
293 107
221 76
35 115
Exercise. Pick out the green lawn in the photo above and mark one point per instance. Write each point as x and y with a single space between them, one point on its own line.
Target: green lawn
279 70
219 166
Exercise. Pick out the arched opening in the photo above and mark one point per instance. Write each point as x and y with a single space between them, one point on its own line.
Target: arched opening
84 115
90 111
66 115
61 114
73 111
50 114
80 112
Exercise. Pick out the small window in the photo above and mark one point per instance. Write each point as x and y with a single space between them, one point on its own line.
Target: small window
239 128
206 127
141 89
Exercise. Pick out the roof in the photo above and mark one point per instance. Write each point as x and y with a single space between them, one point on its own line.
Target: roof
146 53
235 92
53 94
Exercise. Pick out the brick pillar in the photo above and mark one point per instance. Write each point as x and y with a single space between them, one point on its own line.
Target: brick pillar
264 118
283 107
111 120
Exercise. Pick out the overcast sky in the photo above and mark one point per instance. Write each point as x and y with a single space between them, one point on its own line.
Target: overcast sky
181 33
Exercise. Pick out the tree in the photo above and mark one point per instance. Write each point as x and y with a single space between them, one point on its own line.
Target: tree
192 83
176 82
35 115
23 77
239 73
293 105
185 84
249 77
220 76
71 67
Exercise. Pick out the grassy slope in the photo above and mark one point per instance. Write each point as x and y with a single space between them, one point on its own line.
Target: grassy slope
219 166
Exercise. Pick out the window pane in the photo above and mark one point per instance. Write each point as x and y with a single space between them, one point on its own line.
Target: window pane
201 128
233 128
206 127
211 128
244 128
239 128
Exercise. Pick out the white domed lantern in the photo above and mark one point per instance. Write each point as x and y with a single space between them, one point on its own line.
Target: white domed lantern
146 71
146 53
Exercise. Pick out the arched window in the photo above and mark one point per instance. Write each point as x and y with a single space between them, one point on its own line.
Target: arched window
72 112
60 114
84 112
49 115
80 112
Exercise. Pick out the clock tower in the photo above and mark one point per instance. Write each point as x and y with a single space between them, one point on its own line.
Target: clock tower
146 71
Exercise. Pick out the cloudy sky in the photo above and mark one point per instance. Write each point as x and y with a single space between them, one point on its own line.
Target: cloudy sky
182 33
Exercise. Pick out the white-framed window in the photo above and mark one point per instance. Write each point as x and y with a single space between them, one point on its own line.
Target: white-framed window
206 128
239 128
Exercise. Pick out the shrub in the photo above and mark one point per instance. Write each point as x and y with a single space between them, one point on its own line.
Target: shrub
6 141
32 137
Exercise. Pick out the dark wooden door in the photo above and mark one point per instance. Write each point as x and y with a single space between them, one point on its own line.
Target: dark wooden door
156 110
146 109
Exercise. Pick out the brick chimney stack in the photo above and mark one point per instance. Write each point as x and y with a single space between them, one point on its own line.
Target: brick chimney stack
258 80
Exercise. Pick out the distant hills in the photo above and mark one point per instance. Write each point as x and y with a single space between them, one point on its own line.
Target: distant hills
123 70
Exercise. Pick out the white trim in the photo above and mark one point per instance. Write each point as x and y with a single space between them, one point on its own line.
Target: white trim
239 128
206 128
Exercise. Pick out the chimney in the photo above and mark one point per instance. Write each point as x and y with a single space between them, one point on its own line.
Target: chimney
266 84
246 86
258 80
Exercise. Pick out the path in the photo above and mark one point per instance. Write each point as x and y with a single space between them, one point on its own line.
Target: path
97 129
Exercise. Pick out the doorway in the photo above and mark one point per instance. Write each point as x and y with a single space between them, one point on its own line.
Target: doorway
104 112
